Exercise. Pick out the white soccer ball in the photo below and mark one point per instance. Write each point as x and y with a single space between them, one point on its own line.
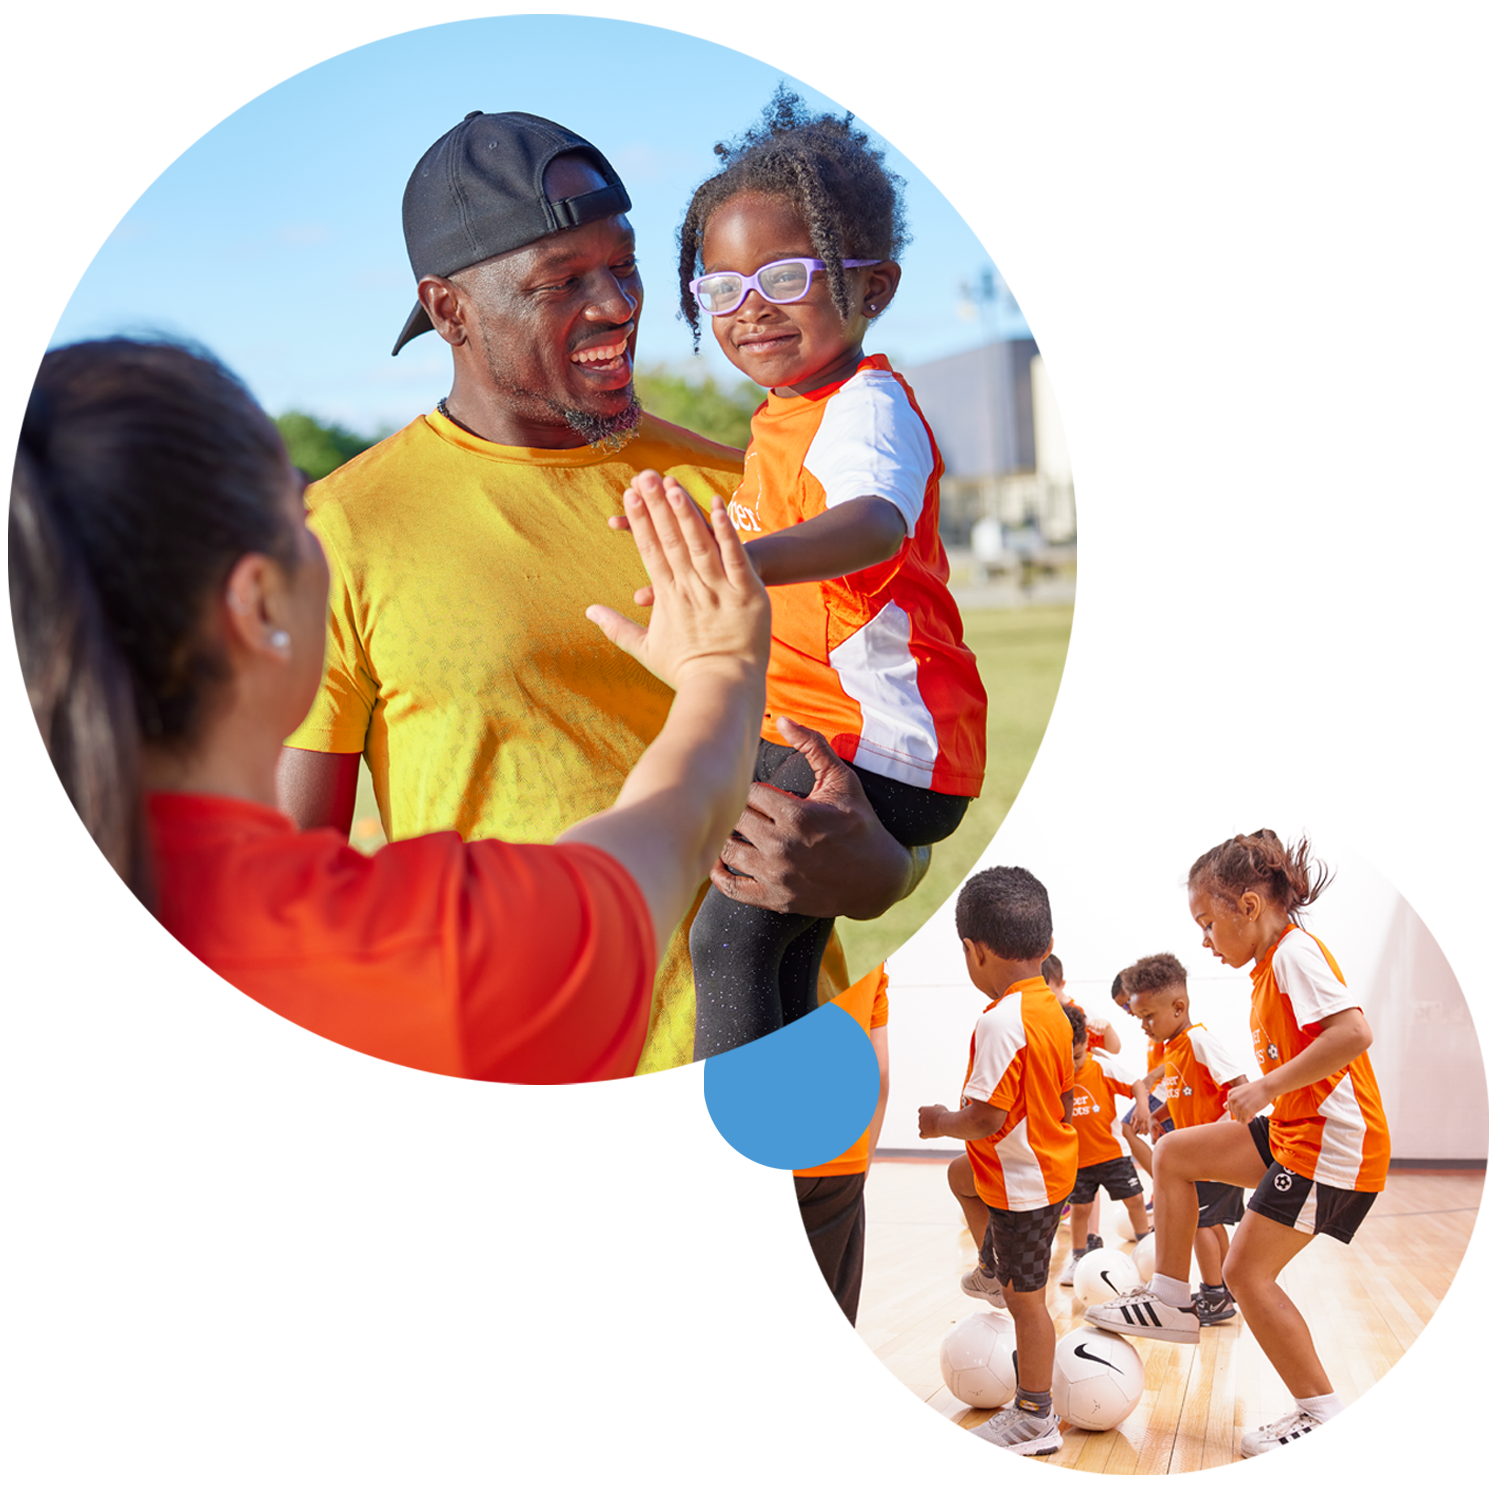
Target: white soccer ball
1145 1258
1121 1217
1097 1379
1103 1275
976 1360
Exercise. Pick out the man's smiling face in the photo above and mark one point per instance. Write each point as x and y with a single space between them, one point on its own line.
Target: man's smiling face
555 323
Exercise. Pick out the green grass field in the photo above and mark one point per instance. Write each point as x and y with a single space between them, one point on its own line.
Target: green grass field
1020 653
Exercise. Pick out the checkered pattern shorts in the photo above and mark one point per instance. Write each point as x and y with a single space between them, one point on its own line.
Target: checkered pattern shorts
1018 1245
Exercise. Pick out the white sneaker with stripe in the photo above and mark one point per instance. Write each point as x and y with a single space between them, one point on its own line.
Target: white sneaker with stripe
1144 1315
1301 1442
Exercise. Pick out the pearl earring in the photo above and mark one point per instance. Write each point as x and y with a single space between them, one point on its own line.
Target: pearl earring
280 640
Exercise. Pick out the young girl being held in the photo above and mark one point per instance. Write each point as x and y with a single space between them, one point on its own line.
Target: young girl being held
797 237
1315 1162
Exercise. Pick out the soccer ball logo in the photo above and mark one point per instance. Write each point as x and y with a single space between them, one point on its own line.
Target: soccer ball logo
1272 1053
1283 1181
1097 1379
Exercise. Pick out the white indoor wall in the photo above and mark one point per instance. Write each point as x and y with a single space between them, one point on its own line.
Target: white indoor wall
1431 1047
1426 1051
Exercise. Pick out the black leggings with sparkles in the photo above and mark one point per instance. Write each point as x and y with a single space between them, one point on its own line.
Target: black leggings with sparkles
755 971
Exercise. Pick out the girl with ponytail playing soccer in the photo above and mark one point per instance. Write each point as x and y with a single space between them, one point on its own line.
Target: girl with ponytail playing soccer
1315 1162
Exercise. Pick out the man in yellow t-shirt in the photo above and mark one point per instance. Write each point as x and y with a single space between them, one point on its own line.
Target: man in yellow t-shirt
464 550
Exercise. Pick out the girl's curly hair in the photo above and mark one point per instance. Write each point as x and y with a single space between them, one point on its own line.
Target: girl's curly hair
851 202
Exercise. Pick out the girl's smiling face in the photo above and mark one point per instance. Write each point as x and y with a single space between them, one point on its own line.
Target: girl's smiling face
788 346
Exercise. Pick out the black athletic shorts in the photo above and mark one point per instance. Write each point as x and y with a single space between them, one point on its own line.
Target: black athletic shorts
1116 1177
1018 1245
833 1214
1219 1203
1299 1202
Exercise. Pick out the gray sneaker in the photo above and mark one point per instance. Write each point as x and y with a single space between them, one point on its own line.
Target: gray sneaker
1274 1435
1214 1307
1022 1432
979 1283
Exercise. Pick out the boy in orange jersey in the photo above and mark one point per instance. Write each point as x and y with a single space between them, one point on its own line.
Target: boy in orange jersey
1014 1119
1138 1135
1197 1073
1101 1160
1101 1033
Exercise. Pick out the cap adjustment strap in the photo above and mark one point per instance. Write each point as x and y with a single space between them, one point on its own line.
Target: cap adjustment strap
586 207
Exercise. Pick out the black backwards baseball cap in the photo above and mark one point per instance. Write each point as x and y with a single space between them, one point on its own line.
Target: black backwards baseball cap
478 192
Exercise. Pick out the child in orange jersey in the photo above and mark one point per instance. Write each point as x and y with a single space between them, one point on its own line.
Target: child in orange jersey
1102 1035
1197 1074
1097 1080
1315 1163
1014 1120
797 237
1138 1131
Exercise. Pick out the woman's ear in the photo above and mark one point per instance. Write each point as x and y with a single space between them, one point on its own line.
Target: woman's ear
251 610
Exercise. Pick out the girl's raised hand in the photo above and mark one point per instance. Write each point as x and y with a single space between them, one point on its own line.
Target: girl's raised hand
709 610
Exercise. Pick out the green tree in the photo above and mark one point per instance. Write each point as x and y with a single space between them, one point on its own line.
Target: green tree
318 448
712 411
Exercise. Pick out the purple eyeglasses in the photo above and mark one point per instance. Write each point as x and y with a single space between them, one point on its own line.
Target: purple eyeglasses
722 292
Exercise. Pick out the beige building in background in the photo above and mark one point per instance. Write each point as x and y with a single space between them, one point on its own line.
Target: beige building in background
1007 488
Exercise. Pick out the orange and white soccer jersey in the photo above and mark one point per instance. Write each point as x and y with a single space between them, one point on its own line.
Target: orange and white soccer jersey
875 660
1333 1131
1095 1086
1021 1061
1197 1066
1094 1027
867 1002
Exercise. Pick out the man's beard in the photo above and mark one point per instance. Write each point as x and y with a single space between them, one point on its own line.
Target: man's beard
607 433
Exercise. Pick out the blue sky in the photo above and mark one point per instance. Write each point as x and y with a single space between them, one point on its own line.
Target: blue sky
276 240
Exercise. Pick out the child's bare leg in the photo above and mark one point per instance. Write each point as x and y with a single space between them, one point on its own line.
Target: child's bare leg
1261 1248
812 1421
1078 1222
961 1183
1036 1338
1222 1152
1210 1253
1136 1208
1094 1213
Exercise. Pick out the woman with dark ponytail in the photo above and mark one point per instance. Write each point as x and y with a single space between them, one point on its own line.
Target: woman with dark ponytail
170 608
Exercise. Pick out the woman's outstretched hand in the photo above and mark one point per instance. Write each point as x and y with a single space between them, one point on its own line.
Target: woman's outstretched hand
708 607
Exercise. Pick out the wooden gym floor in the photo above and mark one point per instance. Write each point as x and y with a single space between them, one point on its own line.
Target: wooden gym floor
1365 1303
